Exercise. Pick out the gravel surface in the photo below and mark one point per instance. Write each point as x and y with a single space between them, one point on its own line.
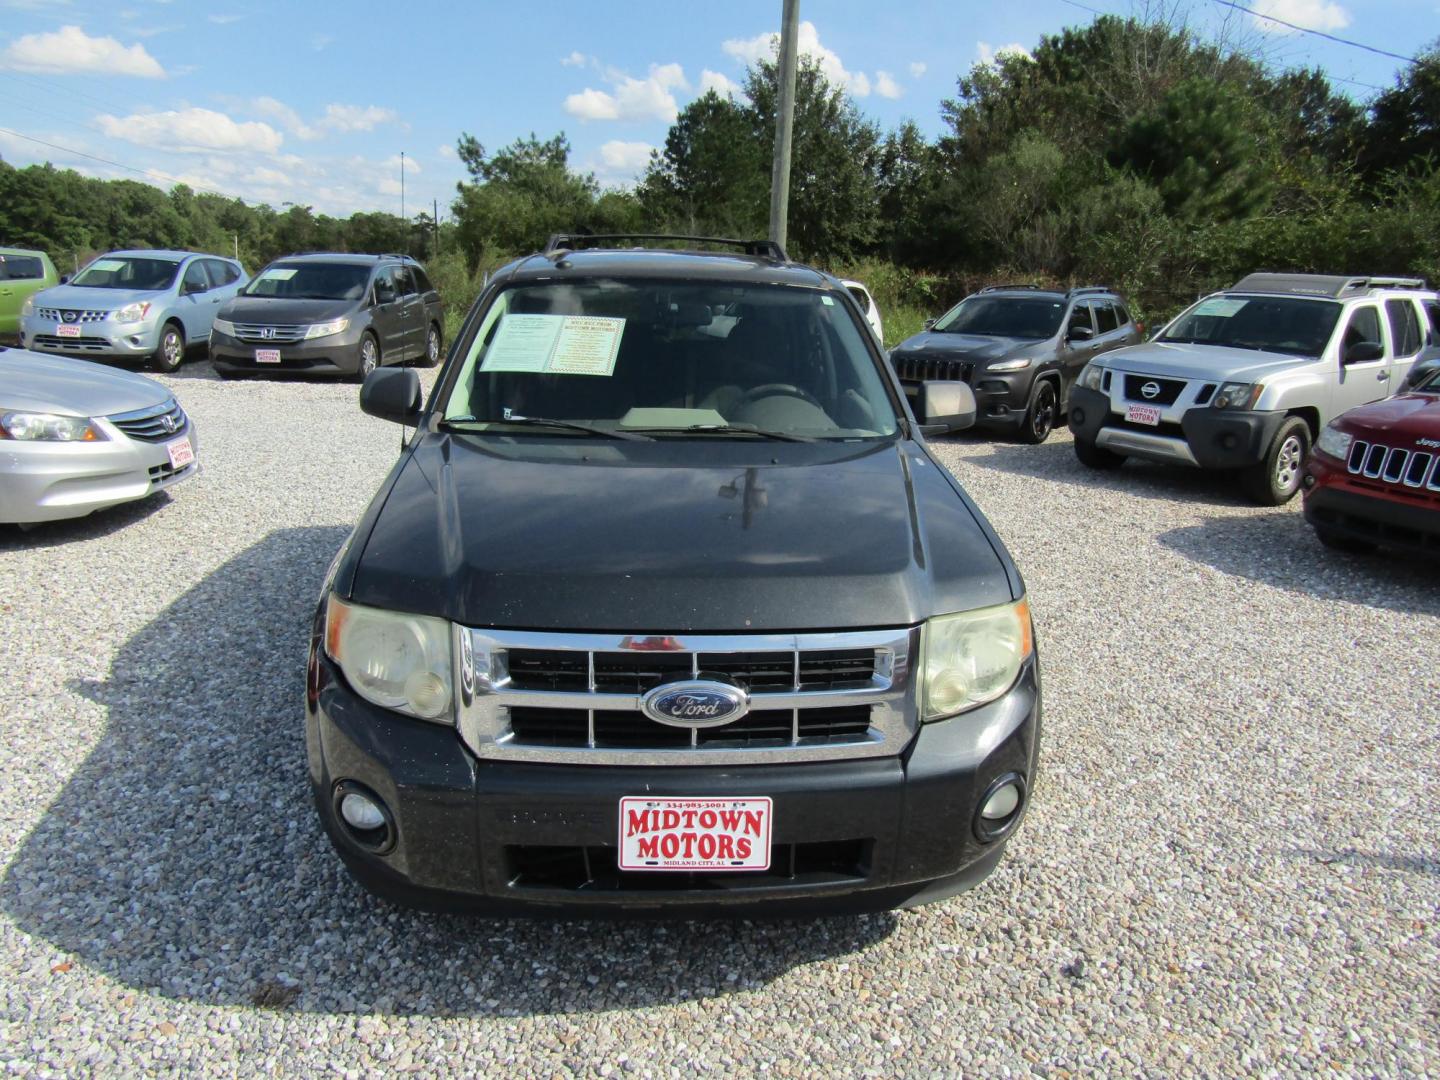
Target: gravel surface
1231 867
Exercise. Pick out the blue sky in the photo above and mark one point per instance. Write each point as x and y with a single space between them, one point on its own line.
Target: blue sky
313 102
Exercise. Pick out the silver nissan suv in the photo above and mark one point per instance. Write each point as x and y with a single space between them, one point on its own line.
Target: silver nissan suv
1246 379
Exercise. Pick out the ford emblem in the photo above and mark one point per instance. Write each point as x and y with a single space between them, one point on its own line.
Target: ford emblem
1150 390
698 703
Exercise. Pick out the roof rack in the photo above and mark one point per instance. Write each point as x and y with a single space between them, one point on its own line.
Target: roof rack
1330 285
764 249
1009 288
1086 290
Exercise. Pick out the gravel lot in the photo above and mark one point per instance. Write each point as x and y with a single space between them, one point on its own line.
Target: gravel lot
1231 867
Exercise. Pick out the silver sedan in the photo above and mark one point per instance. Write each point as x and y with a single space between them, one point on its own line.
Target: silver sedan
76 437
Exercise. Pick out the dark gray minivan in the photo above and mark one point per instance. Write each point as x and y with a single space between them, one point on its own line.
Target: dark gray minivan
330 313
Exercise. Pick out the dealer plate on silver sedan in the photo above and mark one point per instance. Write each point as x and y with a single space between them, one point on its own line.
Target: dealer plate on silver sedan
695 833
1143 414
181 453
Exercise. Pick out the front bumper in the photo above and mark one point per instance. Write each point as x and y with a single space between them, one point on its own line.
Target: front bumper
1000 398
1370 511
98 338
1204 437
337 354
51 481
511 837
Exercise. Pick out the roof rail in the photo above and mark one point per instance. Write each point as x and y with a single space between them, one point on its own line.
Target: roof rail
1331 285
1007 288
764 249
1085 290
397 255
1390 283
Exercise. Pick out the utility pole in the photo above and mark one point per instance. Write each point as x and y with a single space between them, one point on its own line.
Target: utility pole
402 185
784 122
435 225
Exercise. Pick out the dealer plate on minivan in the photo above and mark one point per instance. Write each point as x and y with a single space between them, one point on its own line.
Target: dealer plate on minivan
695 833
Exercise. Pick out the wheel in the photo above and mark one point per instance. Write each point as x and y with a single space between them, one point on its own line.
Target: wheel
431 356
169 354
369 357
1040 417
1097 457
1340 542
1274 480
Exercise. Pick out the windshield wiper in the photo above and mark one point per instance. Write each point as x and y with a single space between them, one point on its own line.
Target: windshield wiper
728 429
542 421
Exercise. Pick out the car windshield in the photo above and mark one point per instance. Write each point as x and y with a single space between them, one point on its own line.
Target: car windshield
1429 382
311 281
666 360
128 272
1278 324
1003 316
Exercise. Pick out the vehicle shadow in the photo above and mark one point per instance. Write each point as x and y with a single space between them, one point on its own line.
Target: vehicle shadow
1360 860
1280 549
184 858
92 526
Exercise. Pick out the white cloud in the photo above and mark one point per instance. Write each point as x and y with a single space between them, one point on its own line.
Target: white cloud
1310 14
446 152
650 98
886 86
224 20
763 46
338 118
287 117
988 55
191 130
619 156
320 42
393 162
917 68
70 50
575 59
357 117
720 83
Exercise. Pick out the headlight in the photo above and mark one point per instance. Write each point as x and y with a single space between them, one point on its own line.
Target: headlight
223 326
972 657
131 312
1019 364
28 307
1091 376
1334 443
393 659
325 329
48 427
1237 395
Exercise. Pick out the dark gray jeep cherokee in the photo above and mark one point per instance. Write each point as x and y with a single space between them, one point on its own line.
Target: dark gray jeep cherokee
667 608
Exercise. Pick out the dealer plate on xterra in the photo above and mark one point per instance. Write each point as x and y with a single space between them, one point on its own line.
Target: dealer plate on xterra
695 834
1143 414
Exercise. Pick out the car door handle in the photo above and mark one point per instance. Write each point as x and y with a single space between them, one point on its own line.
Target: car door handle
1382 376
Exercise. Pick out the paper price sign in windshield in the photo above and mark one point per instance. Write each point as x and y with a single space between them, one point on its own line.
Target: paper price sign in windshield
555 344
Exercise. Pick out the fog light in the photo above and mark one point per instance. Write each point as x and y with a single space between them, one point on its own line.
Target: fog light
1002 803
1000 808
1229 442
361 812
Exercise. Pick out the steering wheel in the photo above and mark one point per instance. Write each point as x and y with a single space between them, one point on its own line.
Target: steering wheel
777 389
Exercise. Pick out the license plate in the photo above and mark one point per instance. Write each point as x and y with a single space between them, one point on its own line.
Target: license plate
1143 414
267 356
67 330
695 834
181 453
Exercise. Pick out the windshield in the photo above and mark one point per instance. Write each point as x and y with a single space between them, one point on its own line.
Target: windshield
1277 324
1429 382
667 358
1003 316
127 272
311 281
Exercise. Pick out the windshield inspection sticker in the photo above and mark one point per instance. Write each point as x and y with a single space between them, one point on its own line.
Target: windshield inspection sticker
278 274
109 265
1220 306
555 344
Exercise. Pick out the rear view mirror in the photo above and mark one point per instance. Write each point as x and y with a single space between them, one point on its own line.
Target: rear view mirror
392 394
1362 352
944 406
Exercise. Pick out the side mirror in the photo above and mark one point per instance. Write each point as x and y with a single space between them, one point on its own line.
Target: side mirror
944 406
1079 333
190 288
64 279
392 394
1362 352
384 295
929 323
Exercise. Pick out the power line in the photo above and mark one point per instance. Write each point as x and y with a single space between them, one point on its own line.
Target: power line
1317 33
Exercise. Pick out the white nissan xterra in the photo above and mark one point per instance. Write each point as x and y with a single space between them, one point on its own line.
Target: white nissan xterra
1246 379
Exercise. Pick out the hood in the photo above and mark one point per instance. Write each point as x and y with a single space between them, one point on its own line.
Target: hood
284 311
980 348
58 384
1402 419
1212 363
81 298
670 536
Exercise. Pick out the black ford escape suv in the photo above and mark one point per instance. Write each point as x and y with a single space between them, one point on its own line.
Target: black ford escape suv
666 607
330 313
1021 348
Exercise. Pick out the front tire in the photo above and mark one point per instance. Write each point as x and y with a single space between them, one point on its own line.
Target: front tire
169 354
1040 417
369 357
1097 457
431 356
1274 480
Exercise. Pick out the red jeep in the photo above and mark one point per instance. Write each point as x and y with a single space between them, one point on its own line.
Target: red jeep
1373 477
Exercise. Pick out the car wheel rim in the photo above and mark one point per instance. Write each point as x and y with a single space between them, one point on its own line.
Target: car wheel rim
1044 412
172 349
1287 463
367 358
432 346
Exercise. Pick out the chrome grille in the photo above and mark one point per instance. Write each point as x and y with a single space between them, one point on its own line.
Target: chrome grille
576 697
1392 464
266 334
1164 391
76 315
155 424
